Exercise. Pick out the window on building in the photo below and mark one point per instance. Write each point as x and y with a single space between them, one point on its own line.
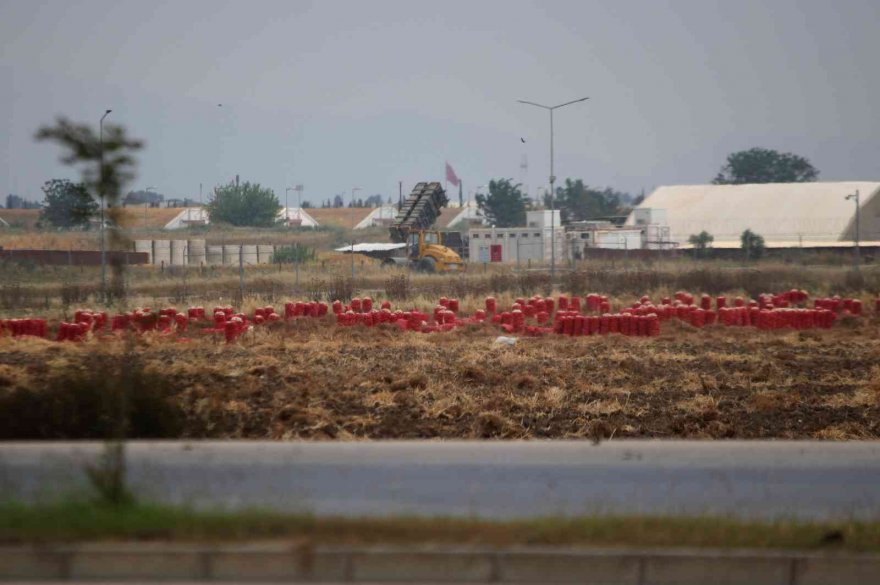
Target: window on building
475 236
524 235
537 234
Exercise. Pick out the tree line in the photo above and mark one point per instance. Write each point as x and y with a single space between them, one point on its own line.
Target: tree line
505 205
69 205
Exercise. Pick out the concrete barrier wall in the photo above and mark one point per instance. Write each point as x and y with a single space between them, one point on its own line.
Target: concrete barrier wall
265 253
178 253
250 254
162 252
145 246
230 254
213 255
196 252
285 563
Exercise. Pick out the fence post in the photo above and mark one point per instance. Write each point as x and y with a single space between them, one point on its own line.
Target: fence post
185 269
296 268
241 271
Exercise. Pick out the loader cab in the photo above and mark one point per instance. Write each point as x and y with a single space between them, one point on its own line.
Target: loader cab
418 241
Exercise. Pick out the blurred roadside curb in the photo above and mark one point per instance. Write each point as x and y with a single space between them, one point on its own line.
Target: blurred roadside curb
286 561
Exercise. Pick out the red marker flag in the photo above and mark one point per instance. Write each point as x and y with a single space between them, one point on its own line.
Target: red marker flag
451 176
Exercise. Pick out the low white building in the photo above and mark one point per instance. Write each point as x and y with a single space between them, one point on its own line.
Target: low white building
531 242
648 231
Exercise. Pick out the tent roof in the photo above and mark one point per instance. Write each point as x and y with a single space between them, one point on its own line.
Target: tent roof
776 211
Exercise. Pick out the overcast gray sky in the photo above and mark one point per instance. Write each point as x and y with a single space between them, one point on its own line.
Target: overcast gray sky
337 94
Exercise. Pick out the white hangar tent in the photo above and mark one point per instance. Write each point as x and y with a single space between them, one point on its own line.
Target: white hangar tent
191 216
785 214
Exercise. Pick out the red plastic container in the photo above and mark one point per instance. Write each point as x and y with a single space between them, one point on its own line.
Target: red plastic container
706 302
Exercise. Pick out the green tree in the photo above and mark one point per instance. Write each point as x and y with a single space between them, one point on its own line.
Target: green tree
761 165
505 205
701 242
106 166
67 204
752 244
244 204
578 202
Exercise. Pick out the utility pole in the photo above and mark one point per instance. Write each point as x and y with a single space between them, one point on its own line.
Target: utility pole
552 180
101 193
399 195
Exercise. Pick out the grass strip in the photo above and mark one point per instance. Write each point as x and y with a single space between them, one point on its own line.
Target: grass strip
85 521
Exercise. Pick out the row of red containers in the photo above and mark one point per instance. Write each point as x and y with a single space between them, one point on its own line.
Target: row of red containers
358 305
364 305
837 305
19 327
535 305
306 309
575 324
408 320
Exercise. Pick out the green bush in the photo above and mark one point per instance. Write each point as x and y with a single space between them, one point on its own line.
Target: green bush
295 254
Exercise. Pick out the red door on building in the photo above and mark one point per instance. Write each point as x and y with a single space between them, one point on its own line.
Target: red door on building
495 253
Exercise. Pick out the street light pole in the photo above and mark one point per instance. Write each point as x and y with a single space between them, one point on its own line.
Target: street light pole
353 189
552 180
101 194
858 255
287 207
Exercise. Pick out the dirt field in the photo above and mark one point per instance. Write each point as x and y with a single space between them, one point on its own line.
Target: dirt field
309 379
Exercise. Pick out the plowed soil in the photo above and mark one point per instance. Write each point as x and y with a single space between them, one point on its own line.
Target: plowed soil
311 380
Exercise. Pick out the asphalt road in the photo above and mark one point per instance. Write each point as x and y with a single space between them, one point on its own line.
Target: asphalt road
502 480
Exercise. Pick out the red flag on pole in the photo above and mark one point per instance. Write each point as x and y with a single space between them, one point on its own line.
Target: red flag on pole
451 176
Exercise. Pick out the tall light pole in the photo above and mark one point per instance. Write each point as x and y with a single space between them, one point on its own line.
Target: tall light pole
353 189
101 194
552 180
856 197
